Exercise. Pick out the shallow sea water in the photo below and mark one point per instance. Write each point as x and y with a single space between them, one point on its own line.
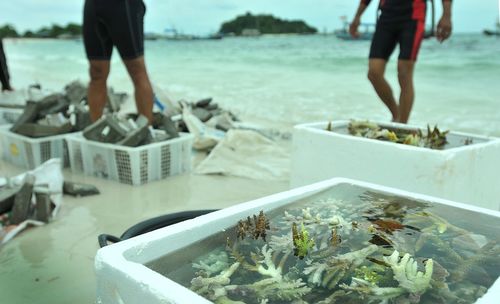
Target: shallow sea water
281 81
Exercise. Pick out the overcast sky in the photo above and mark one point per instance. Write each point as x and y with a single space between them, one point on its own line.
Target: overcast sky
205 16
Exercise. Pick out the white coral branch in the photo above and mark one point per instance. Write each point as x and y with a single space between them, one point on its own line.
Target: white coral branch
355 258
374 292
282 243
315 272
329 273
213 263
214 288
407 274
283 290
267 267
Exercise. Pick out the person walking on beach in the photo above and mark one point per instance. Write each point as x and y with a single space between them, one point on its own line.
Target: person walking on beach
401 22
116 23
4 71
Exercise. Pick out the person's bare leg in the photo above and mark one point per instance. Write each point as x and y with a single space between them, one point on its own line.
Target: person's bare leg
143 90
98 92
376 73
405 76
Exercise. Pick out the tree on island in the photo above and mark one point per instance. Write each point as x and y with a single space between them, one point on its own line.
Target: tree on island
29 34
8 31
265 24
55 31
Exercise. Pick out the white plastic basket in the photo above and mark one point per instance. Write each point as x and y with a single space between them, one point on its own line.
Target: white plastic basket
9 115
133 166
30 152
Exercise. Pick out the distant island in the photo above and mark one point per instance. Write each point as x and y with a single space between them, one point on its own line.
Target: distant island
251 25
244 25
72 30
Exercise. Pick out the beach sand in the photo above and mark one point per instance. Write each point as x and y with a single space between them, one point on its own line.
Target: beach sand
55 263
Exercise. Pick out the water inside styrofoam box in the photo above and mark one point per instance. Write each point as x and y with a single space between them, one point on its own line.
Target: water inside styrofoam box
378 217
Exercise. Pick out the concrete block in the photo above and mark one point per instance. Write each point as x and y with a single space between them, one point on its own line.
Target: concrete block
22 203
43 208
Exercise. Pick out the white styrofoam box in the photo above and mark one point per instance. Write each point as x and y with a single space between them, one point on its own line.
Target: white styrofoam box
130 165
9 115
467 174
122 276
30 152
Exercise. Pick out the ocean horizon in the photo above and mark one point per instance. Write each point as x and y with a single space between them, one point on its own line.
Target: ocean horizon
283 80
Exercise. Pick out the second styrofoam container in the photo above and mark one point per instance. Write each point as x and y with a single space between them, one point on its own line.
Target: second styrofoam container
467 173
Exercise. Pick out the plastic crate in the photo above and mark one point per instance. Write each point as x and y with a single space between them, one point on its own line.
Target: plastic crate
9 115
133 166
30 152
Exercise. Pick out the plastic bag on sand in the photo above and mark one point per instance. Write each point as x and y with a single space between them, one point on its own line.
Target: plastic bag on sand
204 137
48 174
167 105
247 154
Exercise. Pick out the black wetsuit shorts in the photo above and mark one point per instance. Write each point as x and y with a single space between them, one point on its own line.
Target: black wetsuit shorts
108 23
408 35
401 22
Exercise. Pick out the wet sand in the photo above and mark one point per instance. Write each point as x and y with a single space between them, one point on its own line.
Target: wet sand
55 263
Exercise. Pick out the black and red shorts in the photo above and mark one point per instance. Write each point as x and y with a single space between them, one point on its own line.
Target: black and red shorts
408 35
403 25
